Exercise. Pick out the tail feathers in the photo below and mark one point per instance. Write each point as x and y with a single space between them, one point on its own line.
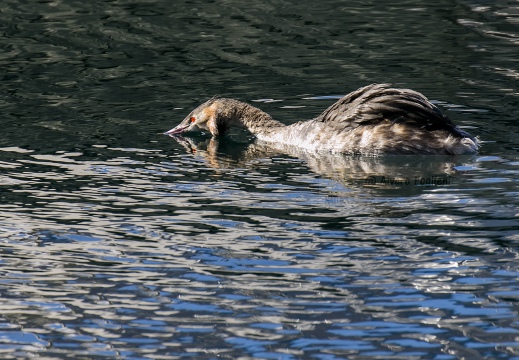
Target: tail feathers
462 146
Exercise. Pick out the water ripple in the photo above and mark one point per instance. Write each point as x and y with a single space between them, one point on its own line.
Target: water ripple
118 242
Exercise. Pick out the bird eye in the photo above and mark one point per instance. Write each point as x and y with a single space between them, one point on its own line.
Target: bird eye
192 119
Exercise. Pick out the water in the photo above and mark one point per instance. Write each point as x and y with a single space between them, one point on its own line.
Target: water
118 242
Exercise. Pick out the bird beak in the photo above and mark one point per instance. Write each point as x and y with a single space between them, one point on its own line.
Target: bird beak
176 130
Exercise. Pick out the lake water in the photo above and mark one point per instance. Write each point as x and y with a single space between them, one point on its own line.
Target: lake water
119 242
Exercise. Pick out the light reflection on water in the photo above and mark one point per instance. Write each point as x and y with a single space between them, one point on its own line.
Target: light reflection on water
118 242
131 260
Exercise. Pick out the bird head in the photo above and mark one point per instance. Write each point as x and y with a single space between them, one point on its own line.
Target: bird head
203 118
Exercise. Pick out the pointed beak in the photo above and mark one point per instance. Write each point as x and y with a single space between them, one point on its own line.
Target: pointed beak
176 130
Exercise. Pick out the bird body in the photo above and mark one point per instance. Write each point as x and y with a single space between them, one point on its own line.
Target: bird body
374 120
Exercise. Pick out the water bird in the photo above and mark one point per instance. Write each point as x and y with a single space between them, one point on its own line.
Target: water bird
377 119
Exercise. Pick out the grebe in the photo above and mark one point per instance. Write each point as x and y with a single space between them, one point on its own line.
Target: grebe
374 120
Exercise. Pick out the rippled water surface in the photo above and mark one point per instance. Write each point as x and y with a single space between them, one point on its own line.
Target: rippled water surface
119 242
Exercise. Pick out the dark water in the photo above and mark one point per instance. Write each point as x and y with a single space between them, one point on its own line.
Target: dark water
118 242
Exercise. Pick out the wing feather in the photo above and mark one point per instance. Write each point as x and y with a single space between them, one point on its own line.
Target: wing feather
380 103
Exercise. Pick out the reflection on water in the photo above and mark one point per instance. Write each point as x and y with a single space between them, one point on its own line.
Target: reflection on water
140 252
370 171
118 242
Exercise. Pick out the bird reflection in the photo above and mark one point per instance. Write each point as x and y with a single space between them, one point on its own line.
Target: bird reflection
386 172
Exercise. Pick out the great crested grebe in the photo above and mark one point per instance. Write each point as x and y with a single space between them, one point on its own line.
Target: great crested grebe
374 120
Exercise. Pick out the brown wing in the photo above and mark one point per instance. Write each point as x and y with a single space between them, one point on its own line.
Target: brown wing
379 103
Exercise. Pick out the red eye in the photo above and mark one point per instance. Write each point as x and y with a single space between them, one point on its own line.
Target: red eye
192 119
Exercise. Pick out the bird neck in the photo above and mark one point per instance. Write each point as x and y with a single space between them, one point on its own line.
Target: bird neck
245 116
